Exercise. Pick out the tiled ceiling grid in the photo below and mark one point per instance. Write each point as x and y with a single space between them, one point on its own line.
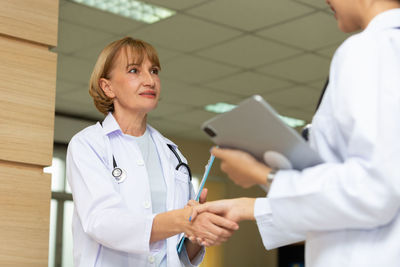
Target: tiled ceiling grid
210 51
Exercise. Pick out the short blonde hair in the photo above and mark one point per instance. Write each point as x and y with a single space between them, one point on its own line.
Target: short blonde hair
105 64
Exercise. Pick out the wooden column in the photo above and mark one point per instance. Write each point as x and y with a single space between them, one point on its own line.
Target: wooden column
27 86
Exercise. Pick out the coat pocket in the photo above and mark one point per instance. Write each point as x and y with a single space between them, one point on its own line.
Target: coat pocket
182 189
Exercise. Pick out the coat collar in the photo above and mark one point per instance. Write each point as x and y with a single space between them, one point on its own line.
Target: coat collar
111 125
385 20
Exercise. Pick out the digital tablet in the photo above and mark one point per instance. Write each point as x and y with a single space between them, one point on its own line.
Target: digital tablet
254 126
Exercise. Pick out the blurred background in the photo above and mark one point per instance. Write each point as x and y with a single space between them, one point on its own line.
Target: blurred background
212 52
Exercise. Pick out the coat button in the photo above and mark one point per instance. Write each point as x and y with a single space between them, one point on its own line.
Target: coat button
140 162
146 204
151 259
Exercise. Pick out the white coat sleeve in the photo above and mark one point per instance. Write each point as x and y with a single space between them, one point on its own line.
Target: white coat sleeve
362 191
272 236
103 214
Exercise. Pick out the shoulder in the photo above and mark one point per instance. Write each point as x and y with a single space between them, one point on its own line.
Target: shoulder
358 57
90 137
356 47
368 46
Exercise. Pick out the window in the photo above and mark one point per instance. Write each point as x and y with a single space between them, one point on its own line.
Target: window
61 209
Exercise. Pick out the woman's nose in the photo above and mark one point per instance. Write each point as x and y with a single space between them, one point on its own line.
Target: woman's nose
148 79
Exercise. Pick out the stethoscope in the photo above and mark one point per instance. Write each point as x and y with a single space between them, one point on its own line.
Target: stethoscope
119 174
180 162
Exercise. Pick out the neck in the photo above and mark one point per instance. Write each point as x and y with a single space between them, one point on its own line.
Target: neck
131 123
374 8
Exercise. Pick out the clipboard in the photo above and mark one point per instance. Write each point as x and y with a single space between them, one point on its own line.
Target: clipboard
197 198
255 127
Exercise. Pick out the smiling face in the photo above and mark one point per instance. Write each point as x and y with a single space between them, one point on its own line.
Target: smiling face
133 83
348 14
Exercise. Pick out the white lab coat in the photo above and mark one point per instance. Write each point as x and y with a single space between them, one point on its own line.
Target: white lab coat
112 222
347 210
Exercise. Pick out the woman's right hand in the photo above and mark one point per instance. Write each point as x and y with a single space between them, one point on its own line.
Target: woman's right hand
209 229
210 225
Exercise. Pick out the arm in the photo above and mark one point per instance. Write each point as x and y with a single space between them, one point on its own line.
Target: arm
361 190
102 212
207 226
240 209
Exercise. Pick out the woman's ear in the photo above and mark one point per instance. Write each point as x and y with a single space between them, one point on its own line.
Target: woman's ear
105 85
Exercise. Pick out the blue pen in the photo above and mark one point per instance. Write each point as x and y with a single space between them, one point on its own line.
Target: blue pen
203 181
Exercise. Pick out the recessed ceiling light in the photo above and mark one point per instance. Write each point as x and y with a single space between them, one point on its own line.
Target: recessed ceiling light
132 9
221 107
292 122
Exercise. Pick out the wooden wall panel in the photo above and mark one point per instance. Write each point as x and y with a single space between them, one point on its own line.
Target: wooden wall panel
24 215
33 20
28 78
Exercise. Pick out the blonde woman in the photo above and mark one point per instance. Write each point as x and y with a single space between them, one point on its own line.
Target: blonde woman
129 183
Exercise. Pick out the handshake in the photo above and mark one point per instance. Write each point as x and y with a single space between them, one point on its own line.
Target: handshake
213 223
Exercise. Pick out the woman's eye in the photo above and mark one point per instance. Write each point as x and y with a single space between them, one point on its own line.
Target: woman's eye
134 70
154 71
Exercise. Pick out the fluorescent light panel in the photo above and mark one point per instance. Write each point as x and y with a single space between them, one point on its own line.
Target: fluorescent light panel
221 107
132 9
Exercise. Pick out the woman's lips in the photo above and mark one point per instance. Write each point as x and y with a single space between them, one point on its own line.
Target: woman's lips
148 94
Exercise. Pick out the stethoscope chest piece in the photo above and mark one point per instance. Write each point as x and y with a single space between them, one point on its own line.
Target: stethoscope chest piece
118 174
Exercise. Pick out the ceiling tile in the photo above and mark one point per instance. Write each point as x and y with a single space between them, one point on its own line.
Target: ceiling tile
247 83
194 70
166 110
250 14
184 33
305 68
91 53
170 127
73 69
71 105
80 96
248 51
194 117
165 54
97 19
72 37
218 32
182 94
315 3
299 114
318 85
178 4
78 103
310 32
328 51
93 113
199 135
64 87
296 97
